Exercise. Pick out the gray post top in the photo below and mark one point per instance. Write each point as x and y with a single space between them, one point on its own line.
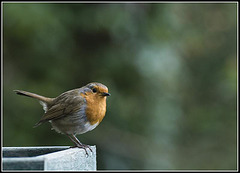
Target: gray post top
49 158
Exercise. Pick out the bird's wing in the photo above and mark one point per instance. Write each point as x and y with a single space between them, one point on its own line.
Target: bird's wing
65 104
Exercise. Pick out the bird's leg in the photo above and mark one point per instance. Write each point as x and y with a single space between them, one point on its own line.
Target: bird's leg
78 143
81 145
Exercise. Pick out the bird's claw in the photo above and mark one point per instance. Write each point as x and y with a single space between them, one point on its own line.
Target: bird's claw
84 146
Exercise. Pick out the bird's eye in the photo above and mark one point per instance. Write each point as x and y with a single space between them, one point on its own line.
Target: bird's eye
94 90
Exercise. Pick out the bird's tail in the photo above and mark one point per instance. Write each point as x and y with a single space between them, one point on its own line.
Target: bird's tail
44 101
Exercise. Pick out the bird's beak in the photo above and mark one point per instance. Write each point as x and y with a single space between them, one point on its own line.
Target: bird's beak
106 94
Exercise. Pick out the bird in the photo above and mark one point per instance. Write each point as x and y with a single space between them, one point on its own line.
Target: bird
74 112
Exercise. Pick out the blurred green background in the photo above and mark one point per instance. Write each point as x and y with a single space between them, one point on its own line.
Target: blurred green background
170 68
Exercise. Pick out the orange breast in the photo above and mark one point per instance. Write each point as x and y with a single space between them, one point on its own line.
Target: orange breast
96 108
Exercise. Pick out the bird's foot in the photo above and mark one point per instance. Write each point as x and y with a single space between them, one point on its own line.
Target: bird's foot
84 146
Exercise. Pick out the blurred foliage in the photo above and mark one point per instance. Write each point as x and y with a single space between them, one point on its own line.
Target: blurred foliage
170 68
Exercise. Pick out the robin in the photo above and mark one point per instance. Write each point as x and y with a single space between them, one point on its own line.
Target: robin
74 112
